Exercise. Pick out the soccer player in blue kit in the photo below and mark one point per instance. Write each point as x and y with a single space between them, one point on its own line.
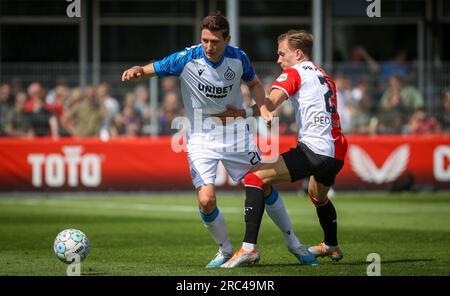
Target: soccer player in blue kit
210 74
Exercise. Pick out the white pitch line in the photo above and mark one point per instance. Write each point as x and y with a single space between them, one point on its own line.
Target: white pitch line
103 205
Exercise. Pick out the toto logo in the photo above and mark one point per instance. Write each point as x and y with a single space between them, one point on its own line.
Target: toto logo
70 167
390 170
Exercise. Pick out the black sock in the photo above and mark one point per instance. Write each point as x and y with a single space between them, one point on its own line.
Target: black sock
253 212
327 218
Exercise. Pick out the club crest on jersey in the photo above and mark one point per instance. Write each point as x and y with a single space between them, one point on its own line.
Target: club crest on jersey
229 74
282 77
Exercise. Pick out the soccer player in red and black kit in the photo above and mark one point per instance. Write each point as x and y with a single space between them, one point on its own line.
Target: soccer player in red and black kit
319 154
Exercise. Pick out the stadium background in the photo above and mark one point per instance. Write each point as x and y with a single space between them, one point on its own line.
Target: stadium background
393 78
392 74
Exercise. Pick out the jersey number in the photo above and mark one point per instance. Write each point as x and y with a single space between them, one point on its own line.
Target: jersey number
256 157
327 96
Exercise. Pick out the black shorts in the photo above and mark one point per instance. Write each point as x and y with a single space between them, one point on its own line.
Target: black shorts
302 162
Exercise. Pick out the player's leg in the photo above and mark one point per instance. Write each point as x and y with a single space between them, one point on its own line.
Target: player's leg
277 212
257 185
280 173
203 167
253 212
326 213
215 224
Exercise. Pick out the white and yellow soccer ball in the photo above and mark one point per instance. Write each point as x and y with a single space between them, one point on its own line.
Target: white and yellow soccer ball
71 245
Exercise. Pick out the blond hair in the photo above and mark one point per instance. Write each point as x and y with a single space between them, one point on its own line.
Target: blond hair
298 39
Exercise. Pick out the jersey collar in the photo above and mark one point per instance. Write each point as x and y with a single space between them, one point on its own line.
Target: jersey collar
211 63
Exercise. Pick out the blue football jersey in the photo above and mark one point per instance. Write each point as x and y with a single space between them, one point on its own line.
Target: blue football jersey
205 86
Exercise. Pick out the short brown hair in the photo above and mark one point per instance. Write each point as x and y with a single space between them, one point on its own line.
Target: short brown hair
298 39
217 22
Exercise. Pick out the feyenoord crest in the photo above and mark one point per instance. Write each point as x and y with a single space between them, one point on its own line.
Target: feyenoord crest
229 74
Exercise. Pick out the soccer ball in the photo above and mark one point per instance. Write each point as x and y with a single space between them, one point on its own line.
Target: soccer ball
71 245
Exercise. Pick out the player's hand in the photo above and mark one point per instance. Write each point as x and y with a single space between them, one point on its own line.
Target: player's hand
231 112
266 115
133 73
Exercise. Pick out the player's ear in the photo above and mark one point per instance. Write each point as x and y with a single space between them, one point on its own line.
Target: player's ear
227 40
299 54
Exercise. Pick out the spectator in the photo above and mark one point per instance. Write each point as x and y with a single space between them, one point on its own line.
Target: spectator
169 84
361 119
397 66
422 124
74 97
361 65
141 103
36 96
85 119
409 97
127 123
344 100
5 106
444 112
286 119
51 95
111 105
60 100
169 110
391 115
59 105
16 86
42 121
17 122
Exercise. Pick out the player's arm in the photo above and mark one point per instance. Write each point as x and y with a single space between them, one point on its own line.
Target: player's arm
257 89
139 72
275 99
270 103
53 123
171 65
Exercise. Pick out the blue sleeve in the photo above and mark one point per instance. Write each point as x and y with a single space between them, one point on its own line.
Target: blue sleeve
248 73
172 65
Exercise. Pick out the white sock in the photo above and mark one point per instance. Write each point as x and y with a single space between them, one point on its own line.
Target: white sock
329 248
248 247
277 212
218 230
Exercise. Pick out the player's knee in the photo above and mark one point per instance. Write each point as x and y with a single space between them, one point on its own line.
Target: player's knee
317 199
207 203
267 189
251 179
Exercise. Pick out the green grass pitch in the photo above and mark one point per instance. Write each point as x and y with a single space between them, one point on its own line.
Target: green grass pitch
162 234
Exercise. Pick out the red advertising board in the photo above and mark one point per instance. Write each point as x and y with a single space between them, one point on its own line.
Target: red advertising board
151 164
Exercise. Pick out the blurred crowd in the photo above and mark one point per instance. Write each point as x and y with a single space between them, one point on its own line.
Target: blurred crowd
89 112
381 98
373 98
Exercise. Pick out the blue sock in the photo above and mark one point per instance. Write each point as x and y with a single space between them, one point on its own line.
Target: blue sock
209 217
272 198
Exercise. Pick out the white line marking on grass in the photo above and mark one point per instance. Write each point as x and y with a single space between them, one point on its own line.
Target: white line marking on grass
104 205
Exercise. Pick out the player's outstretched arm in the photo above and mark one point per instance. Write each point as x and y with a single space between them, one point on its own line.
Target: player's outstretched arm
139 72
